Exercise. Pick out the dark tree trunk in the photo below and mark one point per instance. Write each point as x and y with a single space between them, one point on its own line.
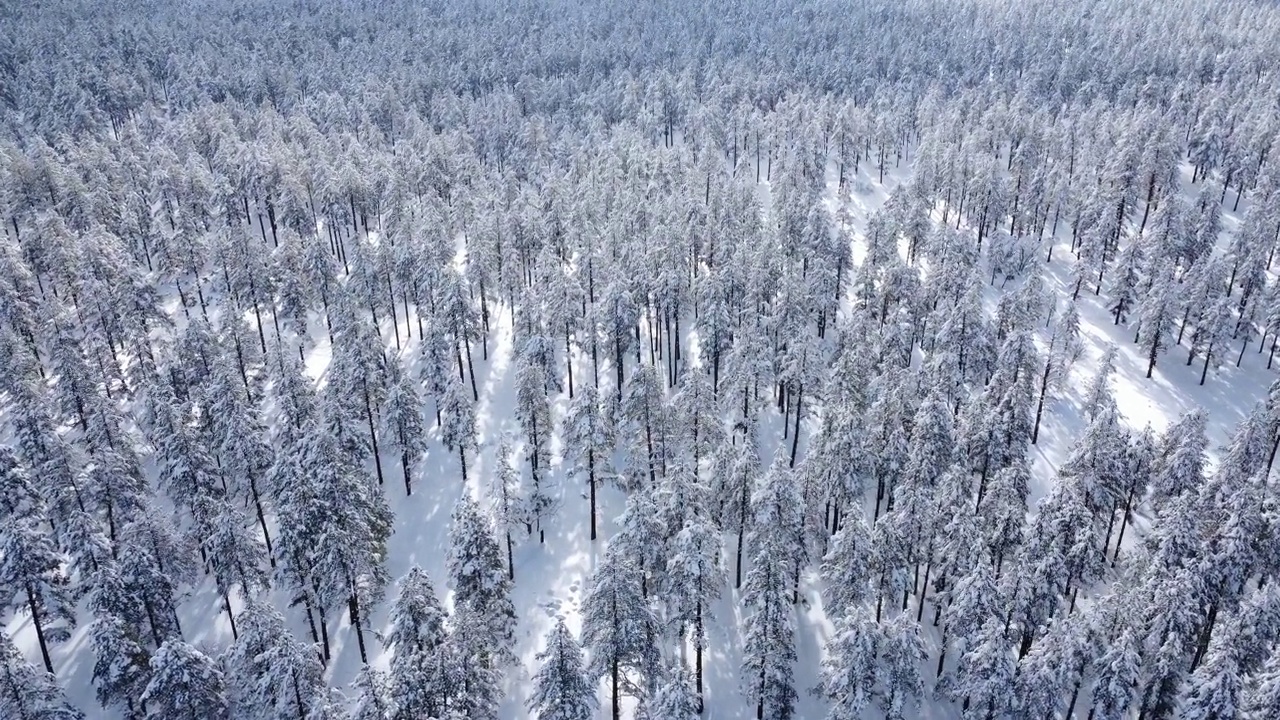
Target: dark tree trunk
795 435
1044 391
226 600
34 607
591 483
373 434
354 605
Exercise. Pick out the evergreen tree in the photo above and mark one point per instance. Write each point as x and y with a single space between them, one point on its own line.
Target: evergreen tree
534 413
619 628
769 646
1115 677
357 385
474 657
700 416
417 637
402 420
1213 690
849 670
1213 333
644 420
235 555
901 652
675 698
372 695
1261 698
1179 461
508 509
480 584
1049 677
695 579
28 694
743 472
269 673
33 581
641 534
348 555
846 568
185 684
1155 316
242 443
458 423
121 667
561 690
588 441
988 671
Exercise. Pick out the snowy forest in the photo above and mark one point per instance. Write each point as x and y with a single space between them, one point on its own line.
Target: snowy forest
586 359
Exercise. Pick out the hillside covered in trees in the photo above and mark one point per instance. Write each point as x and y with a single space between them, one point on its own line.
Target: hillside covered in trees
564 360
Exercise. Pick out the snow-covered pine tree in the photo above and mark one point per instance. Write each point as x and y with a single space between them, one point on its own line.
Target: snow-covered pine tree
1050 676
357 384
534 413
619 628
1213 334
561 690
185 684
1179 462
641 536
121 667
675 698
769 645
458 313
473 666
51 459
433 367
32 578
694 581
353 522
28 694
1261 696
1064 349
294 394
417 638
507 507
18 496
644 420
849 669
987 671
1098 395
1156 315
742 471
458 422
1124 283
402 419
901 652
617 316
1002 516
846 567
269 673
1116 673
153 564
701 418
234 554
479 580
241 440
372 690
588 441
